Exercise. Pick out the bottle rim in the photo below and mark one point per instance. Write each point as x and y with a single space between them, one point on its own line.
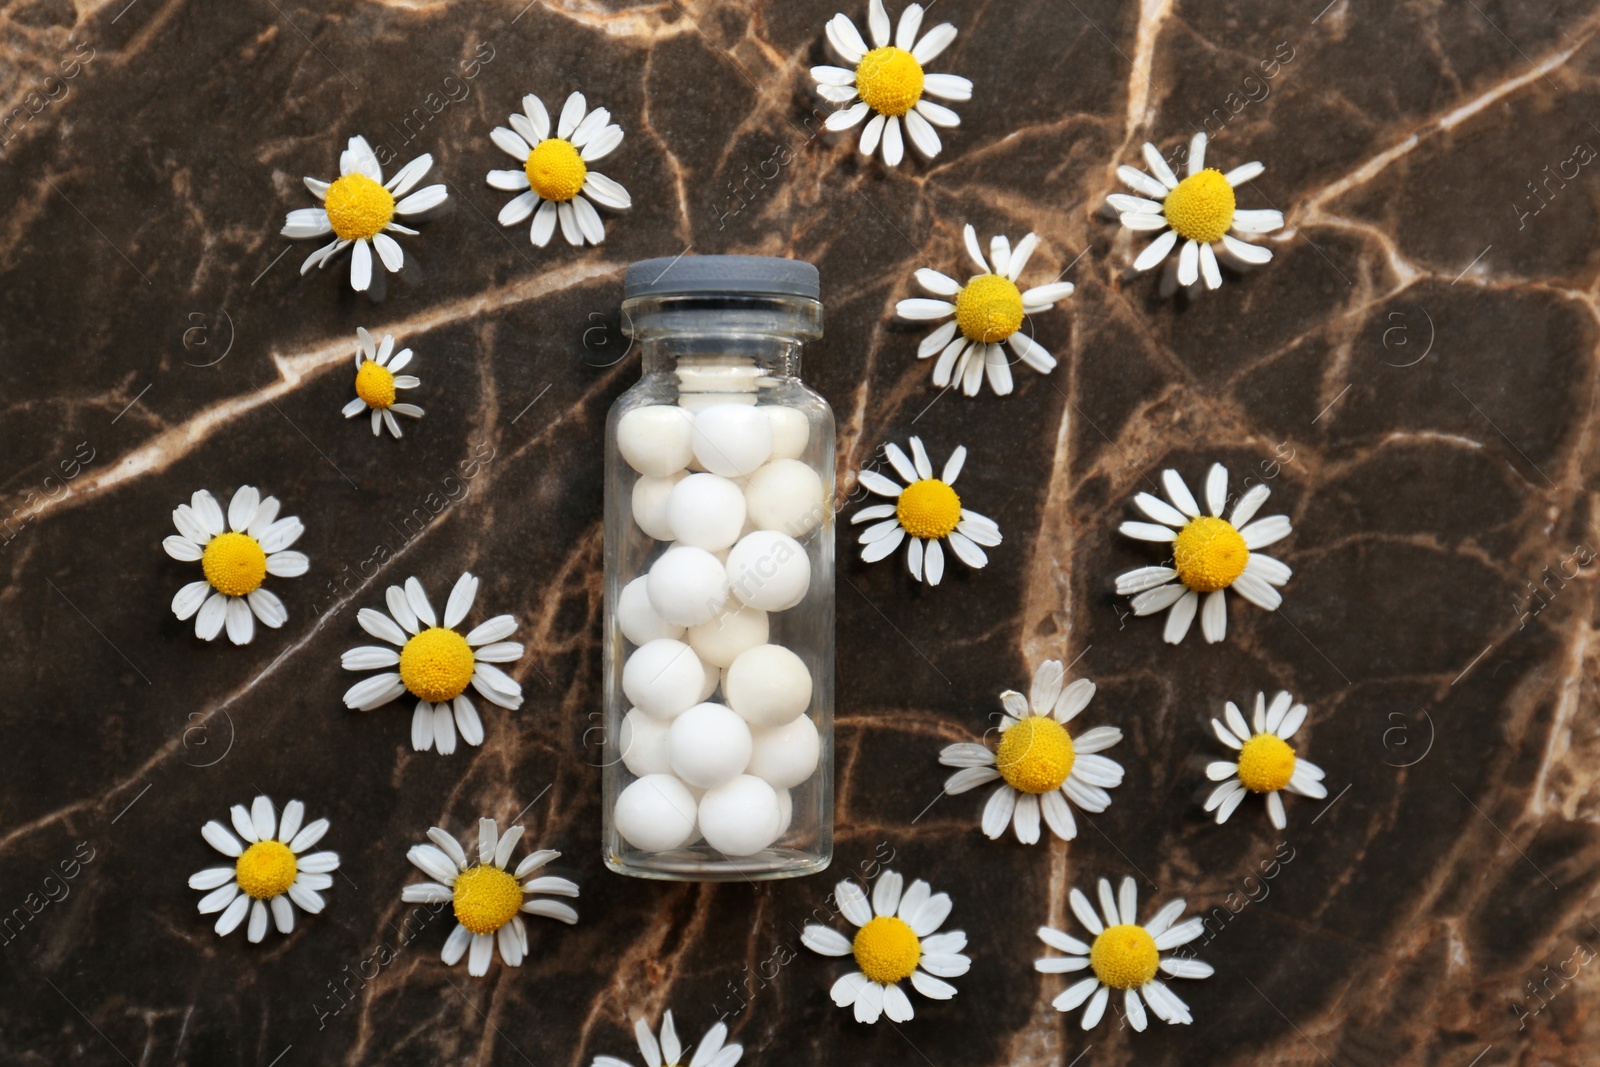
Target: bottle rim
687 275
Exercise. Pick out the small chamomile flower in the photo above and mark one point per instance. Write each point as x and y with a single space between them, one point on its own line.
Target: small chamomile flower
1266 763
1209 554
235 559
668 1052
553 173
435 664
1200 210
359 208
1042 766
376 382
890 82
1125 956
899 942
271 868
987 310
489 900
928 510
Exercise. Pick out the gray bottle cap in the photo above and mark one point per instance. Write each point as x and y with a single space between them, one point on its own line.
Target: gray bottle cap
761 275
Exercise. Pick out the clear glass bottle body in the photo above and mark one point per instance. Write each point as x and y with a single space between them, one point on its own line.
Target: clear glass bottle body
719 595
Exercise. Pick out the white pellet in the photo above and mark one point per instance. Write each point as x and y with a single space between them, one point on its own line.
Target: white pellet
656 440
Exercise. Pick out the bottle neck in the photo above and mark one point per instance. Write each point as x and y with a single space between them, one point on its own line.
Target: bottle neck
716 342
708 358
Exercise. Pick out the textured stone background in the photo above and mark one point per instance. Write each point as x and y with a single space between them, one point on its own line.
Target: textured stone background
1414 374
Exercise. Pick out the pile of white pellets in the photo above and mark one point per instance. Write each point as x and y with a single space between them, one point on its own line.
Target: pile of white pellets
717 734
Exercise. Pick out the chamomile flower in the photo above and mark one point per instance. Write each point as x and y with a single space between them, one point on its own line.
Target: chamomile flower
271 868
235 558
1209 554
1200 210
359 208
376 382
890 82
899 942
553 173
1266 763
1040 764
489 900
928 510
668 1052
987 310
1125 956
435 664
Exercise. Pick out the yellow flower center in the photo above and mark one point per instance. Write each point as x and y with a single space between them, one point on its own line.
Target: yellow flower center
266 869
486 898
375 385
555 170
1209 554
1201 207
1036 755
358 207
1124 956
234 563
436 664
1266 763
989 308
889 80
928 508
887 950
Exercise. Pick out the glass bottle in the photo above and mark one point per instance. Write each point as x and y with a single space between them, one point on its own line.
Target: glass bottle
719 583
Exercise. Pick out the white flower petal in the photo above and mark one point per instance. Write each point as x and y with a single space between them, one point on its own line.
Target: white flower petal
602 144
1158 166
1241 174
937 114
188 600
374 692
852 901
1158 599
219 898
933 42
1058 815
219 838
361 266
606 192
947 87
1245 251
1075 994
258 922
886 893
308 836
849 117
970 778
1257 221
306 222
240 622
1189 263
1267 531
280 535
1097 740
230 919
494 630
1156 251
923 136
424 199
931 987
1142 578
846 39
1214 617
1257 591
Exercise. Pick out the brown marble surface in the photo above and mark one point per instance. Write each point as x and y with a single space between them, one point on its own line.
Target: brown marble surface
1414 374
